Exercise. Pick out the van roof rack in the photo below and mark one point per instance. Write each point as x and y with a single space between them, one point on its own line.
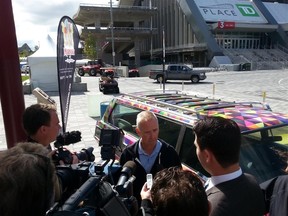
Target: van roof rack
250 116
190 104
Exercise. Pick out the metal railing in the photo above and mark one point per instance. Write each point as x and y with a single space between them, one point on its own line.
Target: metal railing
119 6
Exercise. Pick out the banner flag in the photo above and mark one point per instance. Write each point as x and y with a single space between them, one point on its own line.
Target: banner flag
67 48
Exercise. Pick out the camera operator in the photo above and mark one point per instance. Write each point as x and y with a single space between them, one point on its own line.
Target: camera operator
28 182
41 124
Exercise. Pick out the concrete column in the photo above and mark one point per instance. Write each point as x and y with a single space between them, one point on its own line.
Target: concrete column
137 46
137 52
98 42
136 24
97 23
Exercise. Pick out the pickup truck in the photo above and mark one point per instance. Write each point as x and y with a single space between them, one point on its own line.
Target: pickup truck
179 72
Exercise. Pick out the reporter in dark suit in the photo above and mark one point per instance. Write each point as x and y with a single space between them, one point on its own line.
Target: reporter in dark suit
230 191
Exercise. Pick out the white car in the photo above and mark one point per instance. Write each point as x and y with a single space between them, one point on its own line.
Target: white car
25 69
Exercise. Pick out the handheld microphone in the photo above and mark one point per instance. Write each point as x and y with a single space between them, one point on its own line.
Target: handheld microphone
126 172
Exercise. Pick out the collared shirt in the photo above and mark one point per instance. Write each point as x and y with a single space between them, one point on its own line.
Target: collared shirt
215 180
147 160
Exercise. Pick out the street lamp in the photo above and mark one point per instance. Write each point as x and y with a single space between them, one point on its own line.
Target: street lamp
112 33
151 27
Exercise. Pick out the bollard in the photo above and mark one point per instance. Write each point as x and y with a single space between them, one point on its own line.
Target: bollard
213 91
182 85
264 96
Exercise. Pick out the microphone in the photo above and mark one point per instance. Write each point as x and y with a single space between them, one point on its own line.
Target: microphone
126 172
67 138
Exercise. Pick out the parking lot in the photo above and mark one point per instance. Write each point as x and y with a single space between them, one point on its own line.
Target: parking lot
235 86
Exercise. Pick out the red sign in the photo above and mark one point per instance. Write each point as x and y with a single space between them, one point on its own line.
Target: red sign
226 25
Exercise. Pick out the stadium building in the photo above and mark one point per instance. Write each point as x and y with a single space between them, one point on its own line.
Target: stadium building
202 33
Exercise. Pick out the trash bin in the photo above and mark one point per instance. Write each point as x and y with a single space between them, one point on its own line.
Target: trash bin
103 107
93 104
246 67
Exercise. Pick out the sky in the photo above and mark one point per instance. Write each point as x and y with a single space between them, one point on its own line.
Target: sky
35 19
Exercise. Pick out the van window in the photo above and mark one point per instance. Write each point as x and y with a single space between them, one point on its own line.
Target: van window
168 131
188 152
124 118
264 154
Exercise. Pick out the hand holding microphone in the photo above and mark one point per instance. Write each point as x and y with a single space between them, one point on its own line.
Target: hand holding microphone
126 176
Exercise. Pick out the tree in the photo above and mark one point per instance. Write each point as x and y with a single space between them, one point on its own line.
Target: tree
90 47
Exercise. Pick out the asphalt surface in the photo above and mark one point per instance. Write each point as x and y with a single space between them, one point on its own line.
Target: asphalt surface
85 107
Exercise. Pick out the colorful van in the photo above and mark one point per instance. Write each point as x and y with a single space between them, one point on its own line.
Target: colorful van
264 151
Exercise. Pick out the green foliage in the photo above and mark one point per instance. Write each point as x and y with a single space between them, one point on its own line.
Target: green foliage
25 77
90 47
25 53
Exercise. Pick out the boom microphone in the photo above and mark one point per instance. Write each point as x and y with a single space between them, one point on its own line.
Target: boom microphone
67 138
126 172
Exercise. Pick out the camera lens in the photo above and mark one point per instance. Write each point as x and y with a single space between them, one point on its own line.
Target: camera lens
86 154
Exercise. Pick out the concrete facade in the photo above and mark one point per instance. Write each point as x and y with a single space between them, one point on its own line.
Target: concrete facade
190 37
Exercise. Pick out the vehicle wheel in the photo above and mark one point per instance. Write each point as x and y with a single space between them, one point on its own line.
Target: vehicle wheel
194 79
100 88
92 72
138 75
81 72
159 79
117 90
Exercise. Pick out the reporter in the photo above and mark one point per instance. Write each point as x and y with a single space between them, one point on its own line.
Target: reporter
28 182
42 125
175 192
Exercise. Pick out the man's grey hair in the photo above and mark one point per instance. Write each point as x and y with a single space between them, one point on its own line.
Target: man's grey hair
144 116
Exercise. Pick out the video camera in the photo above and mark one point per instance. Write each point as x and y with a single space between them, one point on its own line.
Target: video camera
96 192
65 155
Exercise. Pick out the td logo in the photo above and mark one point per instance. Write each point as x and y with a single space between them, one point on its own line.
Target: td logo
247 10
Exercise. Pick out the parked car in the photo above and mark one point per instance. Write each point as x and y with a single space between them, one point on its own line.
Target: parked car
25 69
133 72
264 150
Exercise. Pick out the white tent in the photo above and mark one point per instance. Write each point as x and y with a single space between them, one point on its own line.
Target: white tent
43 65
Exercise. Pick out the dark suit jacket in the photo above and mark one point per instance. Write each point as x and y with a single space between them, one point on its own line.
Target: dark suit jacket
241 196
276 194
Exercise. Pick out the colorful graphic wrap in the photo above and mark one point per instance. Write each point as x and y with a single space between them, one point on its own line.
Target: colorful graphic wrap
249 118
